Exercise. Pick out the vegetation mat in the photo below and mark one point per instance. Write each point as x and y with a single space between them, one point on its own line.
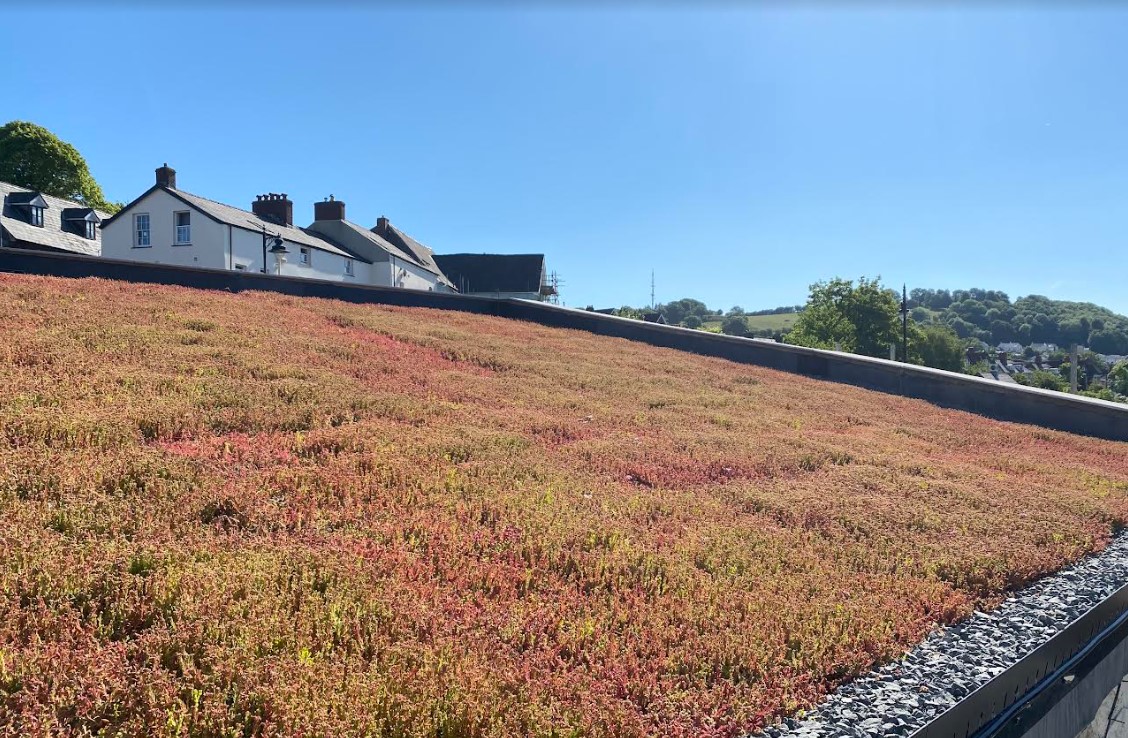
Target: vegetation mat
253 515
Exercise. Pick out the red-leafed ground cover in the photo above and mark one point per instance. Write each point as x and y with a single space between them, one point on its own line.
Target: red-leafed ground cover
236 515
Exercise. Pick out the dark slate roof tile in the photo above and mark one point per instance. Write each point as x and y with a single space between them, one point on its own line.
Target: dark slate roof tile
493 272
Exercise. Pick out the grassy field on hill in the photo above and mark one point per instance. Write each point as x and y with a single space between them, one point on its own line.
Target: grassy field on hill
777 322
261 515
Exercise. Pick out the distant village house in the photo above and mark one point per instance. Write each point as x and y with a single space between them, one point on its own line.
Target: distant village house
167 225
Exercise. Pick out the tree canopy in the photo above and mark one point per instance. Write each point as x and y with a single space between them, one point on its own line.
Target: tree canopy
990 316
1118 378
33 157
734 325
678 310
862 318
936 346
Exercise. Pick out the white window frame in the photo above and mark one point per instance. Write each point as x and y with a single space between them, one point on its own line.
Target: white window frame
305 256
91 230
138 232
350 270
37 216
176 232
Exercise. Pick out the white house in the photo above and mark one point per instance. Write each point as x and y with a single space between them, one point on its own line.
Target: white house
391 265
166 225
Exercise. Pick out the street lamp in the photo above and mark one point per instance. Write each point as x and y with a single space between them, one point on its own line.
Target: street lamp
276 247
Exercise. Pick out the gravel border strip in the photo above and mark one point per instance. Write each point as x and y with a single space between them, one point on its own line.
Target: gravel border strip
901 697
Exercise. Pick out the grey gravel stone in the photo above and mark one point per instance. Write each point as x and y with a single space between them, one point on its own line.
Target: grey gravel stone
950 663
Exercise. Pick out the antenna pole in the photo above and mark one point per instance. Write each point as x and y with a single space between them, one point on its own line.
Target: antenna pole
904 323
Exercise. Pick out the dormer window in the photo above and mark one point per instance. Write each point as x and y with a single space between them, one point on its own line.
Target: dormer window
29 204
81 222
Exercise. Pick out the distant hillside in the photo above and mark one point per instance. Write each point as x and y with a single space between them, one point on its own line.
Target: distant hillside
987 315
991 316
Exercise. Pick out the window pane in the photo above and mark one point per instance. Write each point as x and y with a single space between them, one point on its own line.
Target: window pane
142 221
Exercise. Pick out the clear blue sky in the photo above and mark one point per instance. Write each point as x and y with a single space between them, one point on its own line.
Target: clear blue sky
741 152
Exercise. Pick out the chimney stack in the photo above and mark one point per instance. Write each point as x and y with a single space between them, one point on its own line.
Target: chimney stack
274 208
329 210
382 224
166 176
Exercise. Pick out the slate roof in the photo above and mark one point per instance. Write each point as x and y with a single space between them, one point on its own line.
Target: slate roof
417 252
493 272
233 216
374 242
51 235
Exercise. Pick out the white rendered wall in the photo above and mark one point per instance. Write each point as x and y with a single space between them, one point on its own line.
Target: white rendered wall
401 273
214 245
207 249
247 252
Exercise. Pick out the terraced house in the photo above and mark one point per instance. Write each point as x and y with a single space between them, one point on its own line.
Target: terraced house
396 260
33 220
167 225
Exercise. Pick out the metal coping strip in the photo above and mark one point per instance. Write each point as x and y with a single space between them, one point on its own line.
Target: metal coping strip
1024 714
1023 681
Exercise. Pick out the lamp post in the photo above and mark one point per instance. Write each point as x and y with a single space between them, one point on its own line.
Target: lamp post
276 247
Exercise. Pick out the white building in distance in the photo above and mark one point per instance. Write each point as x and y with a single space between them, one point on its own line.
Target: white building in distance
167 225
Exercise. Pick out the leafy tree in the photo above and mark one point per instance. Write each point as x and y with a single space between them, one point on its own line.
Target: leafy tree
736 310
692 321
677 310
33 157
937 346
734 325
1118 378
1105 341
1103 393
1042 379
863 318
962 328
1074 331
1001 331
